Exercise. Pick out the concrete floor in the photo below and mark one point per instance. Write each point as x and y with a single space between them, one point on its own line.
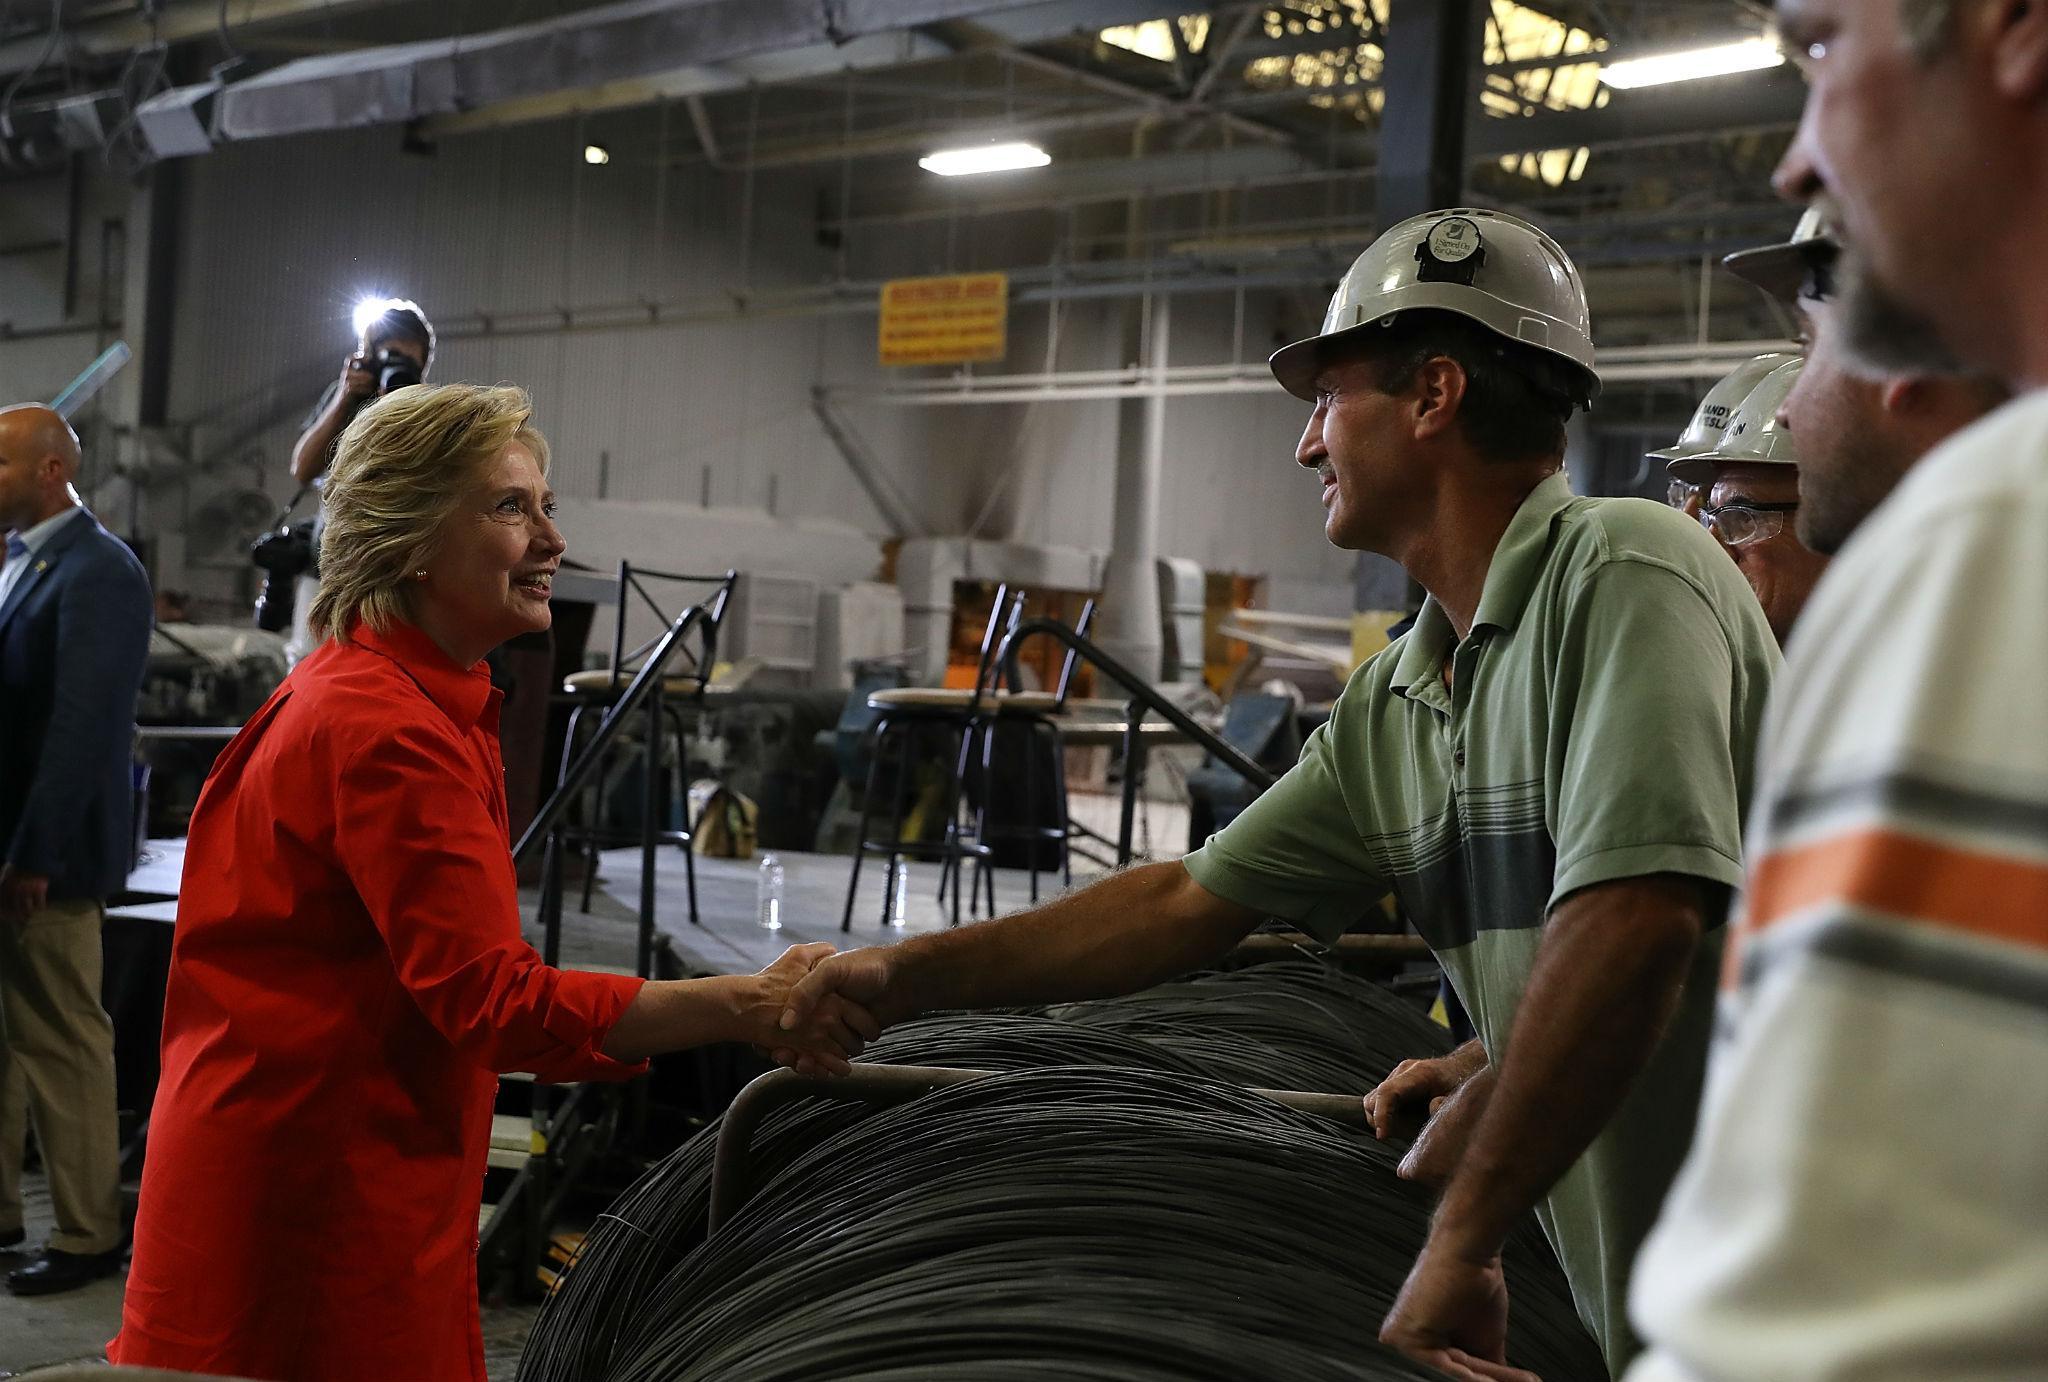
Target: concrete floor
75 1327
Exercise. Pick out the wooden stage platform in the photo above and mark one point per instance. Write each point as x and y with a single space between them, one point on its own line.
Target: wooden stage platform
730 941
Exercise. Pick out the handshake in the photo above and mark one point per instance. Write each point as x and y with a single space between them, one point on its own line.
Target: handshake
816 1010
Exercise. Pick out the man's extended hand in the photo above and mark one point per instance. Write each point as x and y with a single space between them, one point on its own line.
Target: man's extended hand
1452 1313
865 980
22 893
1401 1103
833 1029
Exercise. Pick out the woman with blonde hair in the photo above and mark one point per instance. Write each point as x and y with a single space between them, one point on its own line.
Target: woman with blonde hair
348 977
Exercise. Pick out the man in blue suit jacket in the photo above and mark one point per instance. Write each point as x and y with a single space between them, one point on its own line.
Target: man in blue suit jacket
74 633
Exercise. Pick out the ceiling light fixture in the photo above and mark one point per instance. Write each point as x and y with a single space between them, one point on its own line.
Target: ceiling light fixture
596 154
984 158
1660 69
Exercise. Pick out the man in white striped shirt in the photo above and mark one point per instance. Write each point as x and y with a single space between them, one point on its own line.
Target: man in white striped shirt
1867 1196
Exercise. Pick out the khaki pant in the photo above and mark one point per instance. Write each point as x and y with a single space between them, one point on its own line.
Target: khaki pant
57 1059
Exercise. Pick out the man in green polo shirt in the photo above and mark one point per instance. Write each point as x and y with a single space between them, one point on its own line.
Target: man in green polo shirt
1550 770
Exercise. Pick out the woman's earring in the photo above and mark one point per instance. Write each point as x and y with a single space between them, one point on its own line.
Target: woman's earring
419 575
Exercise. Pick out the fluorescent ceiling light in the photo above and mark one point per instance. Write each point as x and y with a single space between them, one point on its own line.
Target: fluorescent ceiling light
984 158
1750 55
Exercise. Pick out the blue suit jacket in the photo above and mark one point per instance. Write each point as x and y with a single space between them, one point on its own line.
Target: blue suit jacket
74 635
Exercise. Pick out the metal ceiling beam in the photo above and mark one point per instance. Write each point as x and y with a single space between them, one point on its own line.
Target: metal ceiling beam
624 41
1728 105
178 23
1008 40
1037 23
1026 24
1665 115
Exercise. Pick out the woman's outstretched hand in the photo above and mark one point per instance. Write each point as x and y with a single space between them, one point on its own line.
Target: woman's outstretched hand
831 1033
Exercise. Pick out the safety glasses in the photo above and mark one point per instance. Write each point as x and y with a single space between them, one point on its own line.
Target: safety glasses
1738 525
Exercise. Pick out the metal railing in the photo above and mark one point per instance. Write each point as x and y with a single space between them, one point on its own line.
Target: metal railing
1143 697
573 1135
644 690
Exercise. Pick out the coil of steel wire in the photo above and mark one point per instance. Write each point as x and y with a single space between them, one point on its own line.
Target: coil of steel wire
1144 1217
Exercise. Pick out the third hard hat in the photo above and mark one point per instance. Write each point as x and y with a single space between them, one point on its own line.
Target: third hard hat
1781 269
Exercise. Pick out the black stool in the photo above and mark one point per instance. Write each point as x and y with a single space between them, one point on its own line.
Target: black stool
684 694
907 718
1034 716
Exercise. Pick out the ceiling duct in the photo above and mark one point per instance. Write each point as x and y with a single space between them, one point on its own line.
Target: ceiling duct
178 123
637 38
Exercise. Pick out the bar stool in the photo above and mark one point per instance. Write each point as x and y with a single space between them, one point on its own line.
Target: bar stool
685 693
907 718
1034 715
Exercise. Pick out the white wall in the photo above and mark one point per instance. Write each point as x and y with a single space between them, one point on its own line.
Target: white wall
280 238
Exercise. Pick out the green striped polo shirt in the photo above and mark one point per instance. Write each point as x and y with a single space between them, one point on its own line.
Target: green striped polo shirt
1601 724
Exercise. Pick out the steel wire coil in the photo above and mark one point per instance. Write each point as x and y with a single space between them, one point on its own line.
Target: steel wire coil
1132 1220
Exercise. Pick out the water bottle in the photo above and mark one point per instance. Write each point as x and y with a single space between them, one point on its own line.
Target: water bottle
768 894
899 896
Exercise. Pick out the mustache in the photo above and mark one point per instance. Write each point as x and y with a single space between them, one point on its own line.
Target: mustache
1885 336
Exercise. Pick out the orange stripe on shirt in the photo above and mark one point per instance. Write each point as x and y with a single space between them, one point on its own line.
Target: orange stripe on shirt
1992 895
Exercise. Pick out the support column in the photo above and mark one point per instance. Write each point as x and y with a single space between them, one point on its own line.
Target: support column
1433 53
1129 625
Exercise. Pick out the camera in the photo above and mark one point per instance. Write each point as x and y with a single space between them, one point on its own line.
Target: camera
394 370
284 554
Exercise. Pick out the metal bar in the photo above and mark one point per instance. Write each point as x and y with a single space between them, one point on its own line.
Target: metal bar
1141 691
650 831
638 690
1134 769
91 380
895 509
896 1084
1392 948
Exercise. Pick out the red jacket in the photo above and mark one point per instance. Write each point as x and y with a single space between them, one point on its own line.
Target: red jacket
347 978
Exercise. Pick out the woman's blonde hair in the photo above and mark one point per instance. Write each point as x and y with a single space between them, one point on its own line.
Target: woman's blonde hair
400 470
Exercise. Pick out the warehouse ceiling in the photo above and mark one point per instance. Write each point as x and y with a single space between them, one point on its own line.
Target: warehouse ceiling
1236 141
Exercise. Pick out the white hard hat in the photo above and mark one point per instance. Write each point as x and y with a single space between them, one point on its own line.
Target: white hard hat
1754 436
1781 269
1487 266
1711 418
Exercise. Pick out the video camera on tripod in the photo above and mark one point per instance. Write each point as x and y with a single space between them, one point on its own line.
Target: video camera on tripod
284 552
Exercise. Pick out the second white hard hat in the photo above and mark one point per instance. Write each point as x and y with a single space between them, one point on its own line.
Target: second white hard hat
1754 435
1711 418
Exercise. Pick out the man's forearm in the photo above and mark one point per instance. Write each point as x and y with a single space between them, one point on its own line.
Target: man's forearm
1131 930
316 444
1605 985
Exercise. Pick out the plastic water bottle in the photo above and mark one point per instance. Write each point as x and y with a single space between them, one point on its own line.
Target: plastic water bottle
899 896
768 894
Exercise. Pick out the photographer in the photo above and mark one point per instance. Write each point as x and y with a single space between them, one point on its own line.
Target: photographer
394 348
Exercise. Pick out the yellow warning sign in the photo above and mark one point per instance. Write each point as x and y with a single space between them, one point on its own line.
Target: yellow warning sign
950 319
